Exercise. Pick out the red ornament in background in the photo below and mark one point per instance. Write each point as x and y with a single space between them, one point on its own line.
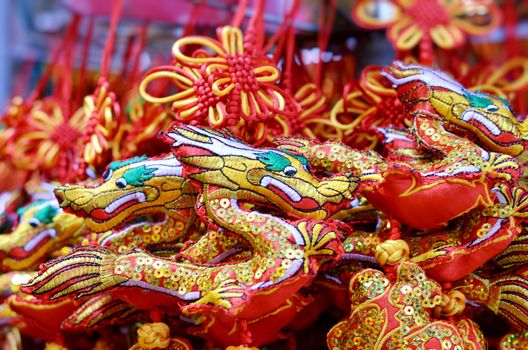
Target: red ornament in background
424 22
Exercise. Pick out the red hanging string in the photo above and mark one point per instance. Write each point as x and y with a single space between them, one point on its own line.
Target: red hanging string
290 47
64 88
511 22
84 62
277 39
280 47
514 47
190 27
325 30
279 35
23 77
289 59
346 91
240 13
110 42
80 168
55 56
127 53
193 19
255 32
136 54
426 53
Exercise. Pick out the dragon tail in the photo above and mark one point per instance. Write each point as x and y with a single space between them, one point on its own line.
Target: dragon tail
505 295
86 271
514 255
512 301
100 311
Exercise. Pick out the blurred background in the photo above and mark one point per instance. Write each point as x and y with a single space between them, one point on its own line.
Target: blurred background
31 29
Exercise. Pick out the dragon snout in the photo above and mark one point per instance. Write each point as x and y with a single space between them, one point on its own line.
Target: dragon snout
61 197
75 196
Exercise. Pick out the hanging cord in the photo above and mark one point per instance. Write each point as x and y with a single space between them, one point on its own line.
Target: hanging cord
347 89
79 92
255 33
325 30
240 13
93 120
24 77
511 23
284 27
284 37
189 29
136 55
191 24
514 47
289 59
127 53
43 81
110 42
426 52
65 82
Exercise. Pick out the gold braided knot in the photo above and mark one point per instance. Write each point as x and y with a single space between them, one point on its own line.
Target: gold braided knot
392 252
153 336
453 303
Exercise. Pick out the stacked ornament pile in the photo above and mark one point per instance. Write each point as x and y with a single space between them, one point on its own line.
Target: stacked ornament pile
220 201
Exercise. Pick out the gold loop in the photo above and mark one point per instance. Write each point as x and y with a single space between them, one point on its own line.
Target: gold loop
165 74
197 40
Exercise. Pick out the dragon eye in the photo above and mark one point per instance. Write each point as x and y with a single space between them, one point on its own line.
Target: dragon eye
121 183
33 222
290 171
492 108
107 174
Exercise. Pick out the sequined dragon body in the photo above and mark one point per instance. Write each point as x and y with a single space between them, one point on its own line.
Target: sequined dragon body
214 289
266 221
458 178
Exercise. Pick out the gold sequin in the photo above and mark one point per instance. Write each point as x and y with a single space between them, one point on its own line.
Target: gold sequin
408 310
406 289
225 203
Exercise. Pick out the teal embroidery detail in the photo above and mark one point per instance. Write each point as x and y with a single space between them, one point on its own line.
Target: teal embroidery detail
46 214
274 161
121 163
23 210
478 99
138 175
303 160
